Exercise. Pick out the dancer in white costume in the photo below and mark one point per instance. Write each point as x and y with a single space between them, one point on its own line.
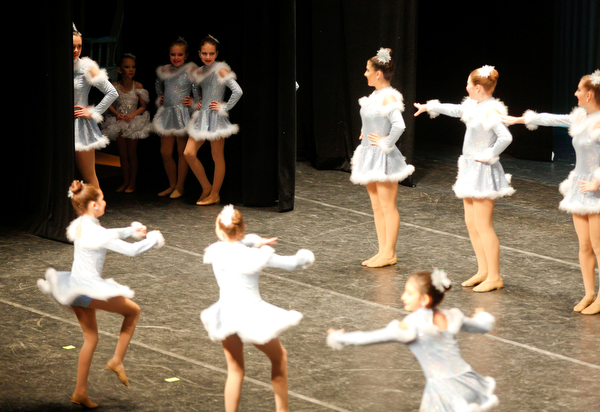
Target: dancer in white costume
129 120
377 163
88 136
481 179
84 290
210 122
581 190
240 315
430 334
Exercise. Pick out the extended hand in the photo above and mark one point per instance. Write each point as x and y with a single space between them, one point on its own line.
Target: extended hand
421 108
587 186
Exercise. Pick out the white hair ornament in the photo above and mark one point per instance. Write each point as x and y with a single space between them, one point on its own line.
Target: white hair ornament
595 78
226 215
485 71
70 192
213 37
383 56
440 280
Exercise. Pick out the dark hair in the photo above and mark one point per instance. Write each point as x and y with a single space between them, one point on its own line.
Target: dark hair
180 42
210 40
82 195
488 83
587 83
386 68
425 286
126 56
237 229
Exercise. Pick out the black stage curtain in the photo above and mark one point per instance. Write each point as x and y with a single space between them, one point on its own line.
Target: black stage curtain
335 40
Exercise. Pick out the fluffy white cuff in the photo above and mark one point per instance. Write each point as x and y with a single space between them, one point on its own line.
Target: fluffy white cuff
332 341
431 107
306 258
222 111
529 115
97 117
487 156
156 236
595 134
136 226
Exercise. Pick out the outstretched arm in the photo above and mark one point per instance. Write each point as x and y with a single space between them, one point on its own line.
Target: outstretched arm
301 260
395 331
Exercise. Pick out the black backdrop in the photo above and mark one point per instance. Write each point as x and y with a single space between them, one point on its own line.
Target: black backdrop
540 48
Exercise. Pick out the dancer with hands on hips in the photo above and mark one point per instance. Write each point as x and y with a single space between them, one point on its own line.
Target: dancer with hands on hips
377 163
240 315
88 136
430 334
581 194
481 179
211 121
84 290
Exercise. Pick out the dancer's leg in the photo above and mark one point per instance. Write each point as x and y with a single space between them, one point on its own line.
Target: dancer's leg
191 156
594 231
86 164
279 379
484 223
87 320
387 193
379 220
124 159
217 149
133 164
182 165
167 143
587 260
482 267
234 355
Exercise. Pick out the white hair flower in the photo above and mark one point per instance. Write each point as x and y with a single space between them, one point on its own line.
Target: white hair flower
70 192
440 280
227 215
485 71
595 78
383 56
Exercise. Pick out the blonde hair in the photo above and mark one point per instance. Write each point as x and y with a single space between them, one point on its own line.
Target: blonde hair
595 89
236 229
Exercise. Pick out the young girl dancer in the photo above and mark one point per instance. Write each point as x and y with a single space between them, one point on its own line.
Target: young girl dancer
174 87
481 179
241 315
88 136
430 334
211 121
377 163
84 290
581 189
130 120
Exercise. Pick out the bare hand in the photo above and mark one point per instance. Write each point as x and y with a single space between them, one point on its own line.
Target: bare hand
267 241
510 120
374 139
187 101
199 105
477 311
81 111
214 105
597 126
421 108
141 231
335 330
587 186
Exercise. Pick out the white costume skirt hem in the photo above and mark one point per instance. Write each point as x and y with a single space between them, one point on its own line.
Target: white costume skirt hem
88 135
467 392
574 202
209 125
371 164
480 180
171 121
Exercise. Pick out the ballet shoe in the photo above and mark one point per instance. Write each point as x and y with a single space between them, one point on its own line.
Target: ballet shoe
121 189
176 194
366 262
84 401
166 192
489 285
584 303
119 370
130 190
474 280
593 309
382 262
209 201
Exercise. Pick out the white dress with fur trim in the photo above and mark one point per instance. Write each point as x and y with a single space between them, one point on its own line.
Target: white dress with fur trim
486 138
128 102
240 309
452 385
91 243
382 162
87 133
209 124
586 141
174 84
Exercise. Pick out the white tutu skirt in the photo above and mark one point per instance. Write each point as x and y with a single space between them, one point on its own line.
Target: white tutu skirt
66 288
171 120
139 127
468 392
480 180
88 135
585 203
210 125
371 164
257 322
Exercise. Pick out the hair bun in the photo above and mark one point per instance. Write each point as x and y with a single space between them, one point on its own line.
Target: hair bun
76 187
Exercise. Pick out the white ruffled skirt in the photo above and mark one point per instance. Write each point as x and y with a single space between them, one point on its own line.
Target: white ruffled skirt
585 203
371 164
480 180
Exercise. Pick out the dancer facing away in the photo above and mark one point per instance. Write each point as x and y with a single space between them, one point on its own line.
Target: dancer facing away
174 88
88 136
240 315
130 120
211 121
84 290
377 163
430 334
481 179
581 190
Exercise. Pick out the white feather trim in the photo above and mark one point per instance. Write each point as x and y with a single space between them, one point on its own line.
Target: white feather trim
222 112
580 122
306 258
136 226
87 64
97 117
378 97
529 115
157 237
237 257
101 143
143 94
373 176
388 108
203 72
332 341
169 71
432 105
89 232
486 113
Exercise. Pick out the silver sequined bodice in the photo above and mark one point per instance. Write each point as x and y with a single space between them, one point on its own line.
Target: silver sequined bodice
176 86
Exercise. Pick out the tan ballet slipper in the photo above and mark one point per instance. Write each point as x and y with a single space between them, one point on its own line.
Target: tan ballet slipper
84 401
584 303
489 285
474 280
119 369
593 309
382 262
209 201
176 194
167 192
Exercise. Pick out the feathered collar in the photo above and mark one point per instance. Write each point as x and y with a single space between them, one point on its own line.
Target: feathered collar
203 72
377 98
422 319
236 257
84 64
582 122
87 232
169 71
487 112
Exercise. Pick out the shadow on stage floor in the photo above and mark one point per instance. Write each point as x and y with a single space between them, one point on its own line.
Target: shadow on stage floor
543 356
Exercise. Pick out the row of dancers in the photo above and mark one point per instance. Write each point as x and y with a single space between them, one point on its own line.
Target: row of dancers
191 110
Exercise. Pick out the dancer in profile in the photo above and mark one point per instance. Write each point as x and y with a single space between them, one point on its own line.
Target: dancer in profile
211 121
241 316
174 90
84 290
430 333
88 137
581 190
481 179
130 121
377 163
